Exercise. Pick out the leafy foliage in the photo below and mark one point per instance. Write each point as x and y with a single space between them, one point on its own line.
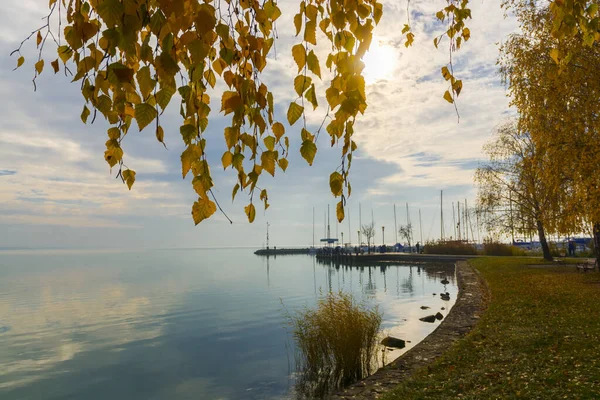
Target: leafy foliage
514 194
553 85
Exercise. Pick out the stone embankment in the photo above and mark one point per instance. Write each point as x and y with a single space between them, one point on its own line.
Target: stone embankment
471 301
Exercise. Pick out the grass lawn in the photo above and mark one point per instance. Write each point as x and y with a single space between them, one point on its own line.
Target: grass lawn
538 339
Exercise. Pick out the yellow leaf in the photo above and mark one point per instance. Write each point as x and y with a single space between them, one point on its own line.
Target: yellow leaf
299 54
269 142
231 137
85 114
129 177
457 87
306 135
160 134
339 210
308 150
283 164
227 159
310 32
301 83
377 12
446 73
278 130
145 82
188 156
554 54
203 209
333 97
250 212
20 61
230 101
38 38
234 191
298 23
144 114
64 53
311 96
210 77
448 97
55 65
466 34
294 112
336 183
267 160
313 63
39 66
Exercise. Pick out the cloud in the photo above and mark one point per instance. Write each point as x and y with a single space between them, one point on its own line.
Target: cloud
410 141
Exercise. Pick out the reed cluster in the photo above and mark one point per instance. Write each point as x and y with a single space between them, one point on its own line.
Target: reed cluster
453 247
336 343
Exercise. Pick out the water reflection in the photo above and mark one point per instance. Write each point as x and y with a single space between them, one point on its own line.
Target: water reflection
177 324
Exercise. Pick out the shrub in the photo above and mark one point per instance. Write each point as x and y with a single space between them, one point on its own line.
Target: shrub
336 343
497 249
453 247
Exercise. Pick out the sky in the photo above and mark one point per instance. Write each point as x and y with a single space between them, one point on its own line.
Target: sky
56 190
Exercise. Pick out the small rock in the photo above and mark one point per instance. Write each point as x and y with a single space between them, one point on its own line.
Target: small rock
424 307
429 318
445 281
434 294
439 316
443 308
391 341
445 296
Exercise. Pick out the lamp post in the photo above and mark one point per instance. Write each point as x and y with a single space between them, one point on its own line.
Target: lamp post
342 239
383 235
358 232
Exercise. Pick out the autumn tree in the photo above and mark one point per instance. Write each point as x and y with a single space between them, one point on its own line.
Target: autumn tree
405 232
368 231
514 194
554 86
132 57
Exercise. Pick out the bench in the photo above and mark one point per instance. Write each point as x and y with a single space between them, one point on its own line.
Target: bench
586 265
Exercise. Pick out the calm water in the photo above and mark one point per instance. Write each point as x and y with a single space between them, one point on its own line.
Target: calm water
178 324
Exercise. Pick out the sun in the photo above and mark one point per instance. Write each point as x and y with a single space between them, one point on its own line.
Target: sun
380 62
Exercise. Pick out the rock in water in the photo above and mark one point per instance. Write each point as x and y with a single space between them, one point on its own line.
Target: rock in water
445 296
439 316
424 307
429 318
445 281
393 342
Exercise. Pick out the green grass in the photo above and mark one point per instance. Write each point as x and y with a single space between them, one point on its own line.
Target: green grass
538 339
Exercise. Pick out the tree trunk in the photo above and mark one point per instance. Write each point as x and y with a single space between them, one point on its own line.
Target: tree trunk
543 242
596 228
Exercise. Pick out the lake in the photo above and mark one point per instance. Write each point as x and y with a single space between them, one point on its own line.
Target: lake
180 324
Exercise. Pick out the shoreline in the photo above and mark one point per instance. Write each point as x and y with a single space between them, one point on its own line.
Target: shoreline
464 315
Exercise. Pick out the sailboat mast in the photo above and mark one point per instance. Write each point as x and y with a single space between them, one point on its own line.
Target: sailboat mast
395 225
454 220
466 221
420 226
441 215
313 227
328 228
458 212
349 230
